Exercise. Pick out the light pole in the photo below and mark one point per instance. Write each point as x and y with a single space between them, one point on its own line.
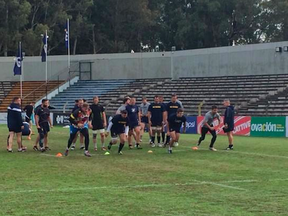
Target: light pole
173 49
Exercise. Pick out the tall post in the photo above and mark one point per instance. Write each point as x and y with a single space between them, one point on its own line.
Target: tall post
46 63
21 78
68 44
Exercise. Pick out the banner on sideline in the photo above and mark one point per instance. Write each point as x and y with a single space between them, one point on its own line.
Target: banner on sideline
191 125
61 119
242 125
268 126
287 126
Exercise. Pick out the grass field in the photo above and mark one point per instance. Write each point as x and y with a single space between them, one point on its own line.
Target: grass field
251 180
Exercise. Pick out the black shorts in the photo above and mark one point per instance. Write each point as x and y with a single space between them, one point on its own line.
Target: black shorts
176 130
44 128
144 119
97 127
133 125
15 130
229 129
115 134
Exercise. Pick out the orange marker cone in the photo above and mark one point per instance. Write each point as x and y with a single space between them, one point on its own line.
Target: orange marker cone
59 155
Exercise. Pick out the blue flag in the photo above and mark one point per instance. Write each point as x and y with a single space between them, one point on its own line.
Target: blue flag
44 50
67 34
18 61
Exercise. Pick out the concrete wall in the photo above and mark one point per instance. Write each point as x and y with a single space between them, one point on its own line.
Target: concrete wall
239 60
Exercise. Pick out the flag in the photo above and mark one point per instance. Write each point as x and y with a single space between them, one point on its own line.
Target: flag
18 61
67 34
44 50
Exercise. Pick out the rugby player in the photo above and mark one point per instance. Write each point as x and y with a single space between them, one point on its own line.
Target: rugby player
207 126
126 101
29 111
134 123
78 104
175 121
99 122
15 124
171 108
79 120
144 117
161 100
119 128
43 123
156 118
229 122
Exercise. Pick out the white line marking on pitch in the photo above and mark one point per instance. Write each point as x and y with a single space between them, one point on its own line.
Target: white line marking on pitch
220 184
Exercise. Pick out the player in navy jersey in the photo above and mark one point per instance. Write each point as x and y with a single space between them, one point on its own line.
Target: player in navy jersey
15 124
229 123
171 108
144 117
157 118
161 100
134 123
119 127
175 122
79 120
99 122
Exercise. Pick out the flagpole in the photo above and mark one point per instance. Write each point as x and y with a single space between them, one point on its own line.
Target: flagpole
68 29
46 63
21 90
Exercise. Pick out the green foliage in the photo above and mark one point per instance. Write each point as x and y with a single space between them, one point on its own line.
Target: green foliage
106 26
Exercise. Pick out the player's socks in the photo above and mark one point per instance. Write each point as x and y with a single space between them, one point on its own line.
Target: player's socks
81 146
163 137
230 147
153 139
158 139
120 147
170 150
110 146
167 139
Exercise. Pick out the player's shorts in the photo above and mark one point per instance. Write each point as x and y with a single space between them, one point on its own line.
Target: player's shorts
156 127
133 125
44 127
229 129
15 130
74 129
26 131
176 130
98 131
115 134
144 119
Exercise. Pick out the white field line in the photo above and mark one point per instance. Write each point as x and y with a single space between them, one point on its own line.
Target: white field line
239 152
71 189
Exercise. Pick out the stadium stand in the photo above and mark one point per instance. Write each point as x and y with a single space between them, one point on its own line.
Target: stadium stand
32 91
5 88
257 95
87 89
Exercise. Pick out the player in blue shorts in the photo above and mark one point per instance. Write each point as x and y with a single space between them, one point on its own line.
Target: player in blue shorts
79 120
118 127
134 123
174 124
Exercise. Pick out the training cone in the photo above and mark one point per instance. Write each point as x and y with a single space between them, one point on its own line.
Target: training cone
195 148
107 153
150 151
59 155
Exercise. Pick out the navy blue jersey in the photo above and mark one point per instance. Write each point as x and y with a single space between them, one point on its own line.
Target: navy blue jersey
75 108
133 112
172 108
229 116
119 124
164 106
156 110
43 113
176 122
14 117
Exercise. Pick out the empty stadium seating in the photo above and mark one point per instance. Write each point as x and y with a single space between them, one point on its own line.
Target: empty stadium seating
252 95
32 91
5 88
